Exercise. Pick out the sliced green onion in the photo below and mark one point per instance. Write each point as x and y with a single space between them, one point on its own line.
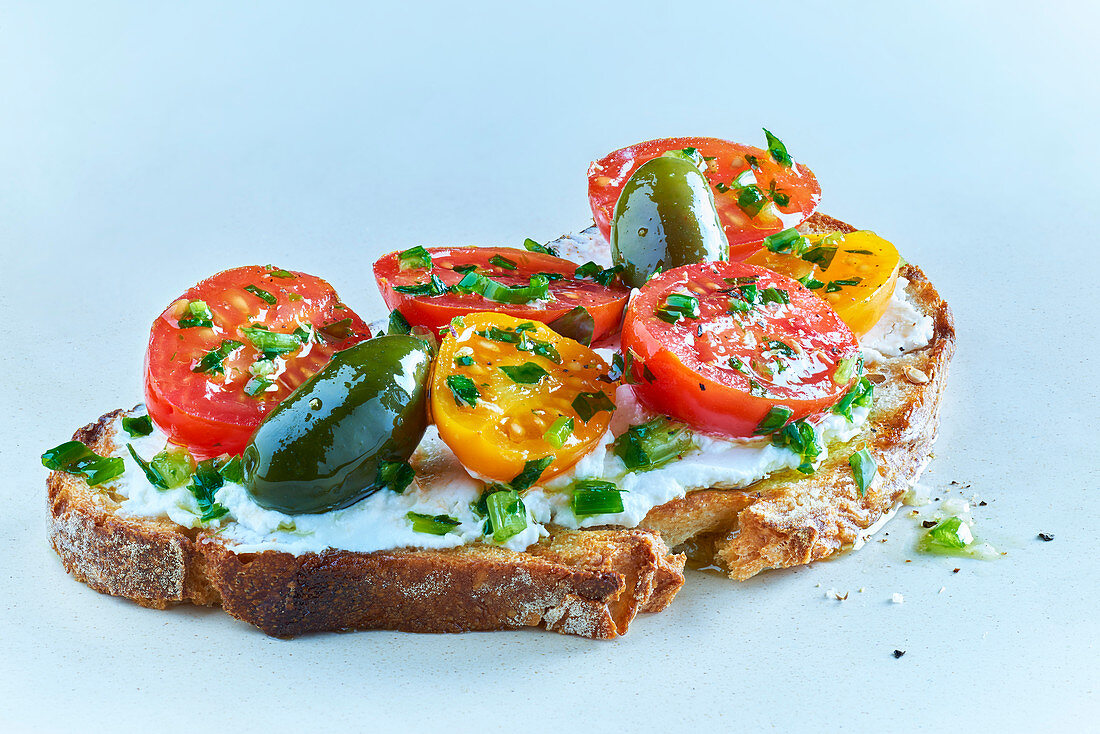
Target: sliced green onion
777 150
73 457
260 293
532 470
502 262
200 315
789 240
212 361
432 524
434 287
751 200
464 360
595 497
474 282
230 468
810 282
532 246
820 256
588 404
685 304
270 343
575 324
463 390
951 533
398 324
396 475
142 425
664 313
559 432
776 418
653 444
591 270
414 258
507 514
864 469
527 373
174 466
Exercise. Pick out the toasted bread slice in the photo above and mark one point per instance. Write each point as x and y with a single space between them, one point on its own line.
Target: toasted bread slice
590 583
790 519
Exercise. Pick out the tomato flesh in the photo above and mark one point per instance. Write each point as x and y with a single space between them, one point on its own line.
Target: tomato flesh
604 303
207 409
507 423
725 370
607 176
855 273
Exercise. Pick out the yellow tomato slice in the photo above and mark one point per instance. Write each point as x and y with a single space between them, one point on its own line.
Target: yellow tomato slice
855 273
500 384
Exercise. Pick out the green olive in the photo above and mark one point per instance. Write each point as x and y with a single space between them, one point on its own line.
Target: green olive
665 217
321 448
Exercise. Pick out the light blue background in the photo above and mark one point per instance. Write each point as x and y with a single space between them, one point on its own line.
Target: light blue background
144 146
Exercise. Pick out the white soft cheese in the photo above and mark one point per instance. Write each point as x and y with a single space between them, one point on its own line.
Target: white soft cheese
901 329
444 487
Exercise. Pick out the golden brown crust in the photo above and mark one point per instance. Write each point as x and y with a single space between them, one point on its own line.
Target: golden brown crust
790 519
590 583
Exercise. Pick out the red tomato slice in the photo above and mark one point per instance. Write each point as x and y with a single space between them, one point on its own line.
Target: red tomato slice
203 402
604 303
607 176
725 370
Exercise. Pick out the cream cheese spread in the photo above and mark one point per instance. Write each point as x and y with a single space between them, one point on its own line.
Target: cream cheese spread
444 486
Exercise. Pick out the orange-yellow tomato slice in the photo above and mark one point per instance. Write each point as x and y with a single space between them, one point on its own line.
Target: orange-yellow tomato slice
855 273
501 384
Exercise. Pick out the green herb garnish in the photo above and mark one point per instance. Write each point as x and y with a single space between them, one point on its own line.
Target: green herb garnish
653 444
595 497
776 418
432 524
463 390
398 324
527 373
434 287
142 425
777 150
576 324
414 258
502 262
395 475
212 361
260 293
532 470
588 404
73 457
801 438
864 469
532 246
559 432
507 514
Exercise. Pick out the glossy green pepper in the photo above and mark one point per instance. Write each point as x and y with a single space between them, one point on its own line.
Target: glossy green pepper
321 449
665 217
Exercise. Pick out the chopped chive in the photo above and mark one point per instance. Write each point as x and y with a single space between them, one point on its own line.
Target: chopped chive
653 444
774 295
474 282
502 262
527 373
213 361
687 305
588 404
432 524
394 475
864 469
260 293
801 438
434 287
751 200
532 246
414 258
398 324
152 474
532 471
776 418
777 150
463 390
559 432
142 425
820 256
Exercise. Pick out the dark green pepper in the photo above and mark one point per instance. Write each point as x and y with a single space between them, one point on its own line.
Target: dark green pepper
665 217
322 448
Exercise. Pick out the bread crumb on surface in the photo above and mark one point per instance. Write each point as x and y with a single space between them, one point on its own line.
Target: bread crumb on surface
897 598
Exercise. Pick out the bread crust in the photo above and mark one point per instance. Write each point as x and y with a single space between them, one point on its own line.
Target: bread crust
789 519
590 583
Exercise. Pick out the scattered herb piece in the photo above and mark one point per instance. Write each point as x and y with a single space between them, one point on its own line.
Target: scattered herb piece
142 425
261 294
463 390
